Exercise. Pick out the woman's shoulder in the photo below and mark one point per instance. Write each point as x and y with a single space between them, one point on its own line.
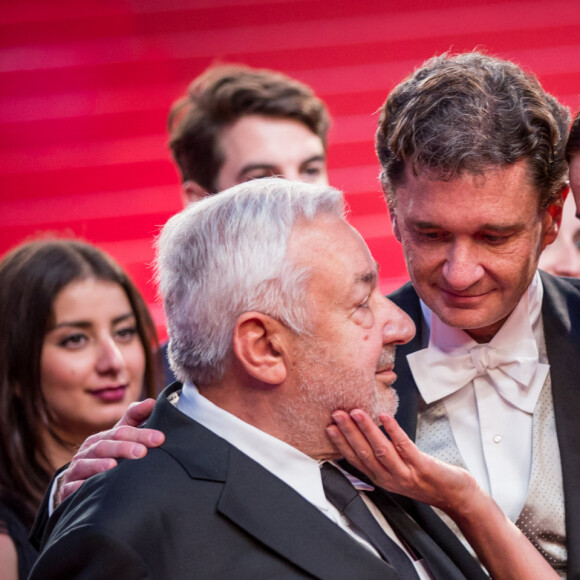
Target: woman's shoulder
11 525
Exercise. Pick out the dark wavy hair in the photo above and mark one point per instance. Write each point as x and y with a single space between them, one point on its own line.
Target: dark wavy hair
573 145
222 95
467 113
31 276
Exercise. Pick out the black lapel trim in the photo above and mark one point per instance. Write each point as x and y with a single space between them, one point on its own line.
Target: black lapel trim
561 319
406 298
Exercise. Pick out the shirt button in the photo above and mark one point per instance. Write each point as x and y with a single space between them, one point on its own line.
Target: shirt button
497 439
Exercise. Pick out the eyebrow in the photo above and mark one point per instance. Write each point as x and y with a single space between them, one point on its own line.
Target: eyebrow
424 225
370 277
269 166
86 324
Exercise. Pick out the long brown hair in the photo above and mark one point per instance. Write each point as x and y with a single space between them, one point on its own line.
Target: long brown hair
31 276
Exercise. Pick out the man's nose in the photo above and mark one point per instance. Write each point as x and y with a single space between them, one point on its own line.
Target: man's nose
462 268
398 327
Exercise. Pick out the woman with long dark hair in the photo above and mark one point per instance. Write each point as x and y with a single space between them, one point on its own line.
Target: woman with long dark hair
77 346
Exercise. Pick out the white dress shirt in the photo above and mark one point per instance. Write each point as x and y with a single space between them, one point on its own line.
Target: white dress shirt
299 471
491 415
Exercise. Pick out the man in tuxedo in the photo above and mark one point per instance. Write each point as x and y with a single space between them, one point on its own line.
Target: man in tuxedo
276 320
237 123
473 169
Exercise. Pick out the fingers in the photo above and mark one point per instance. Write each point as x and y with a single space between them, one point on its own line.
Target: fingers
77 473
147 437
362 444
136 413
344 436
66 490
100 451
405 448
119 442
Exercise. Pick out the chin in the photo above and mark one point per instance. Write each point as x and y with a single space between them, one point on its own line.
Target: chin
387 401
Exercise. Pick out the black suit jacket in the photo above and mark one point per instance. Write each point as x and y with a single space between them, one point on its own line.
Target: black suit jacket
198 507
561 319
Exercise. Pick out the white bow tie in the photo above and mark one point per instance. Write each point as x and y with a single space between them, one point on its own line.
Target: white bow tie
439 373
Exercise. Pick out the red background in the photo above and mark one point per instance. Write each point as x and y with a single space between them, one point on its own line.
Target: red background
85 87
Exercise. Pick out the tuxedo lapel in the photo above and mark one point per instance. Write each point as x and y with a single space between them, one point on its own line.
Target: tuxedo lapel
433 537
406 298
561 318
273 513
424 532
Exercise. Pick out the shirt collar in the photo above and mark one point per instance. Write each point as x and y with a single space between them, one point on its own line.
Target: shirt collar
299 471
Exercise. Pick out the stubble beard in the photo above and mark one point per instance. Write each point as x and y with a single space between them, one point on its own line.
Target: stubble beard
325 385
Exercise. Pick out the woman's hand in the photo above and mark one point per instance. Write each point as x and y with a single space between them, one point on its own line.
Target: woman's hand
396 464
99 452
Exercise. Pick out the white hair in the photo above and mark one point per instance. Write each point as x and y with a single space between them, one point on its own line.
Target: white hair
226 255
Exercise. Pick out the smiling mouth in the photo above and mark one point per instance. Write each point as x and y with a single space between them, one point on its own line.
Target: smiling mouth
454 295
111 394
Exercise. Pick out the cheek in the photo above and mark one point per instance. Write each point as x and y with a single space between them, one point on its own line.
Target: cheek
423 261
134 356
61 371
365 320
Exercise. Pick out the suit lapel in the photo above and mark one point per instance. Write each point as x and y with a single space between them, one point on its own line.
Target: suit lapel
406 298
272 512
261 504
424 532
561 318
428 536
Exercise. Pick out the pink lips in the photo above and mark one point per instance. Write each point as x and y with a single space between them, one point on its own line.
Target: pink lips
387 373
110 394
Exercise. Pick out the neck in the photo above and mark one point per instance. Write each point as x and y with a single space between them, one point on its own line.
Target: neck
276 416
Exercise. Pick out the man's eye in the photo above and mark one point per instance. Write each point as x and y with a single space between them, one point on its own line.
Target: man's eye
495 240
260 175
431 236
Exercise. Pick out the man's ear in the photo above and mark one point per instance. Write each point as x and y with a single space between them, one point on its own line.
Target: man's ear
395 224
554 216
191 191
258 343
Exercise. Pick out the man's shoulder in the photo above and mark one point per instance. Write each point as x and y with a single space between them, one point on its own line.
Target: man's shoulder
190 453
561 299
560 284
